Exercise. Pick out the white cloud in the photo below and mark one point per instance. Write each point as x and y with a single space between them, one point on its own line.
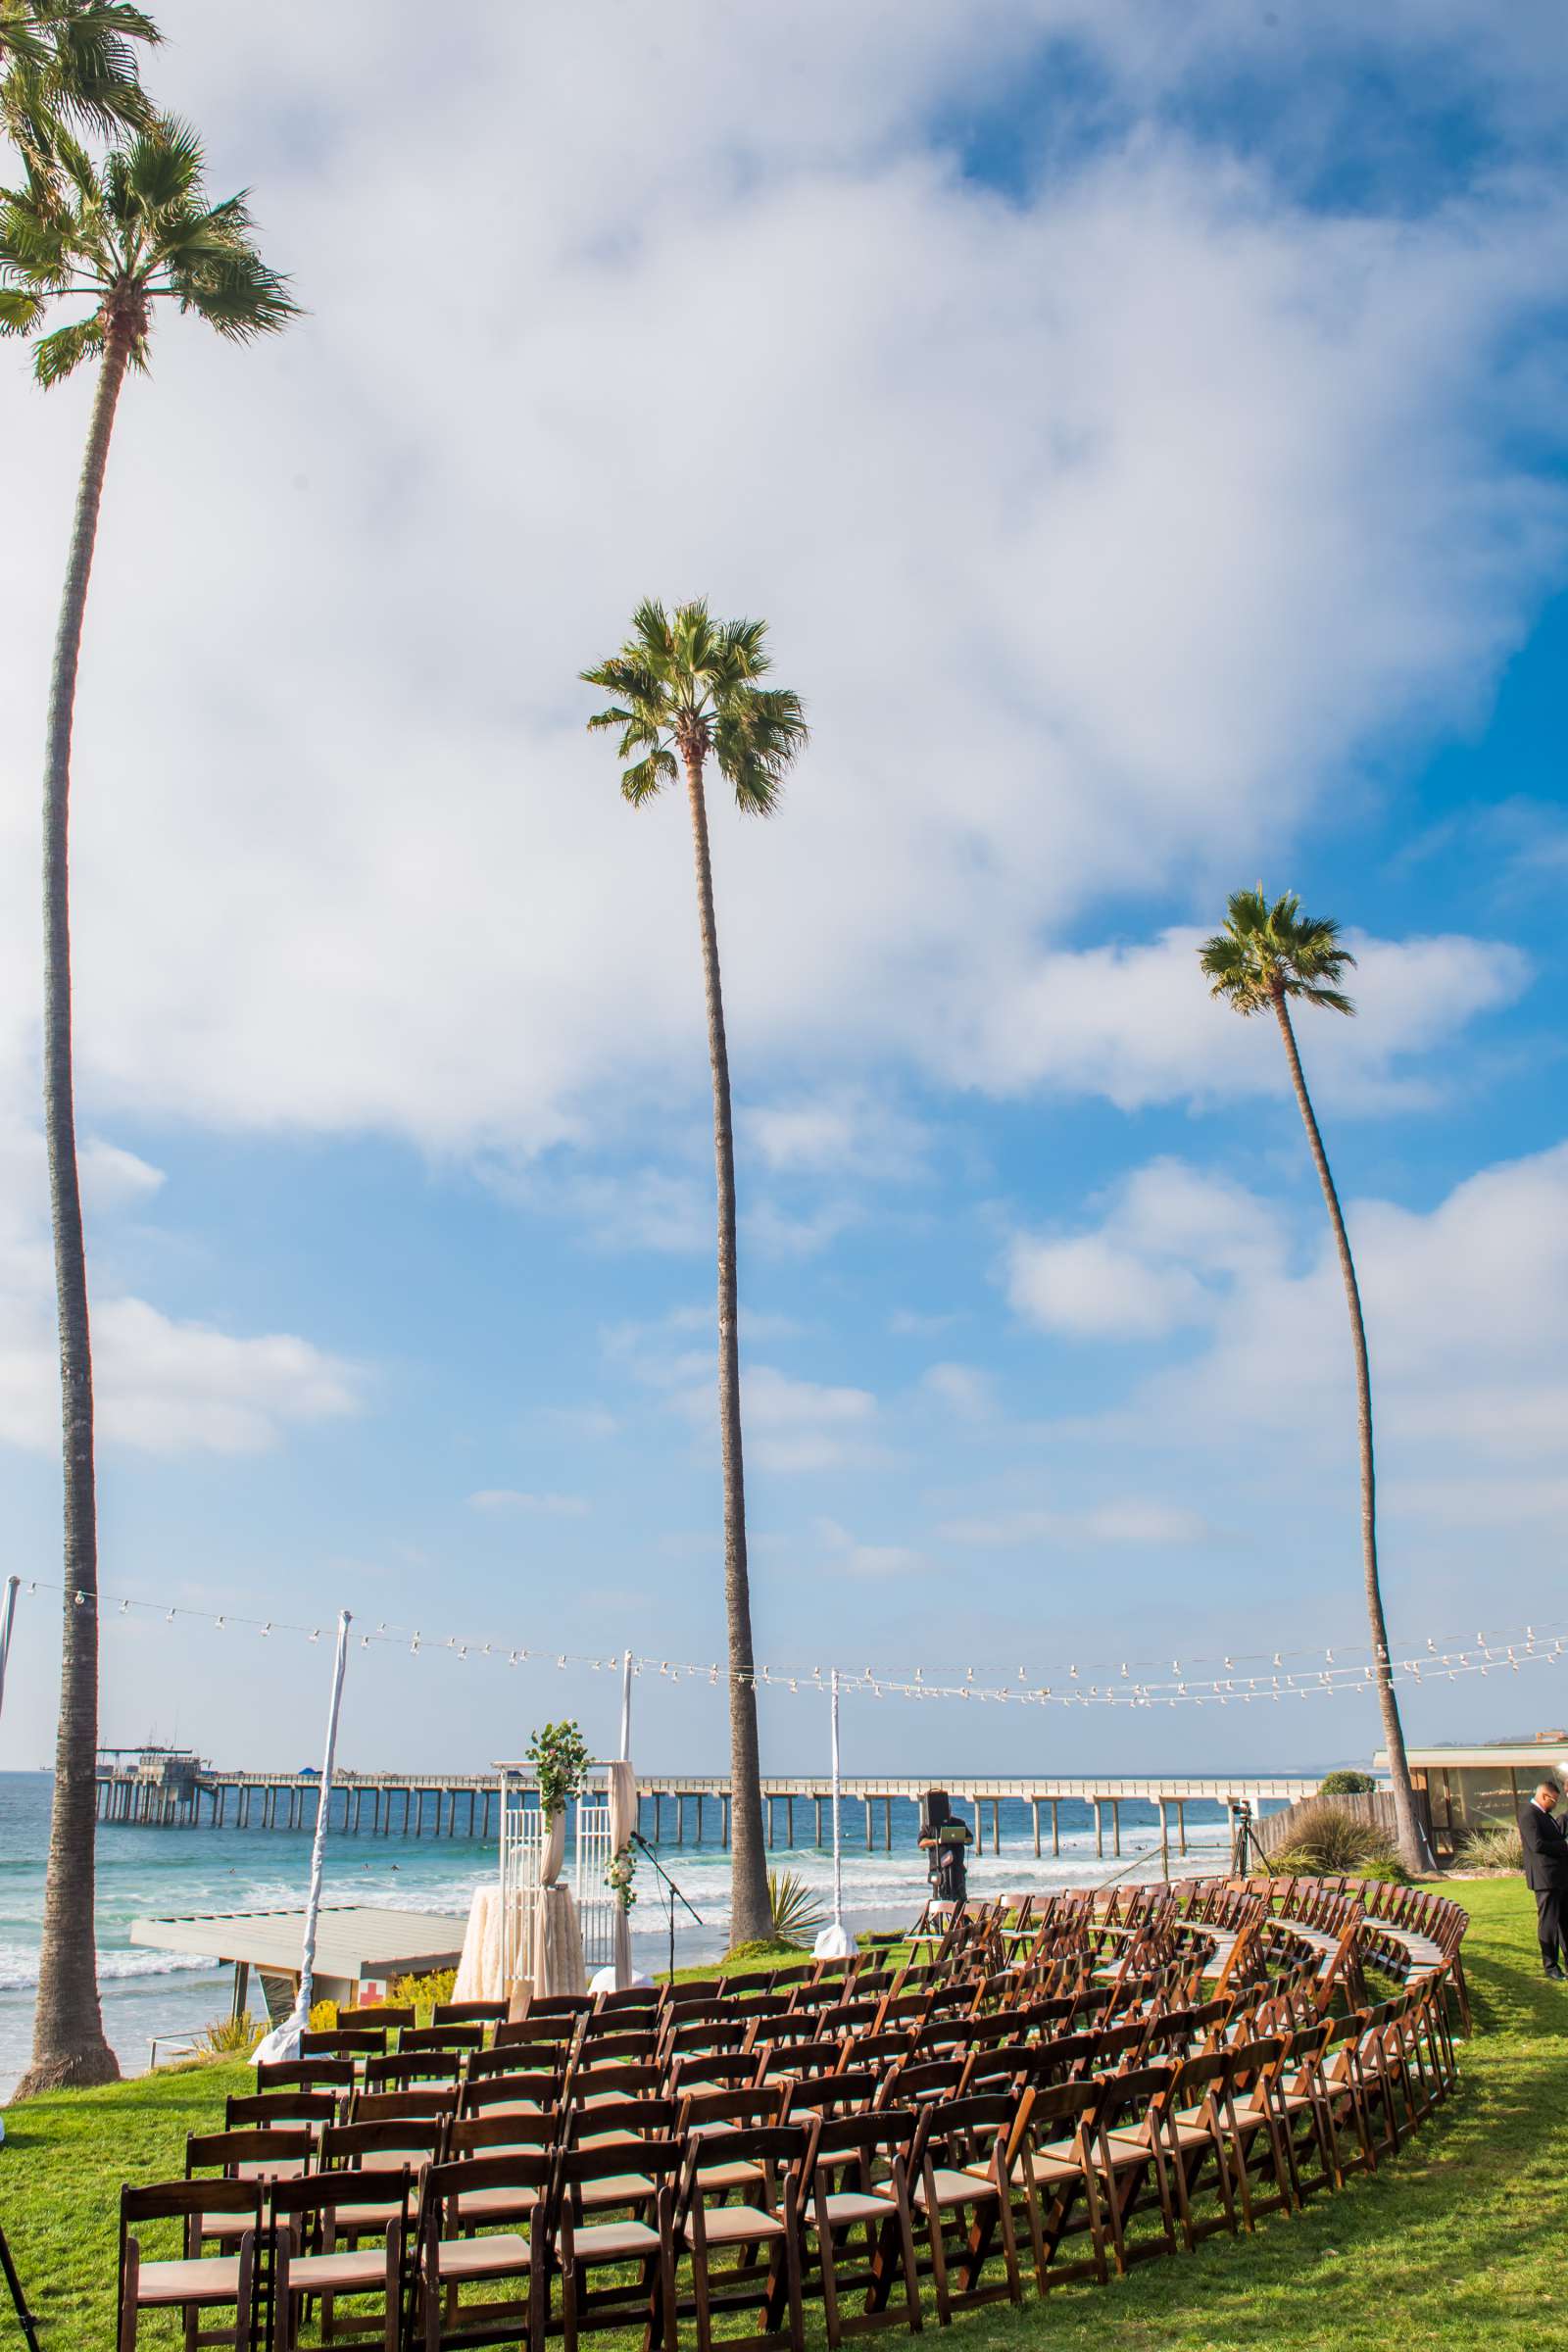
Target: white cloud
504 1499
850 1558
162 1384
1151 1265
967 1393
1466 1308
1137 1023
846 1131
1175 496
1139 1520
804 1425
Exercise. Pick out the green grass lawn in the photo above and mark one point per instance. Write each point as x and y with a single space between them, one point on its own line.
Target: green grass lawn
1457 2242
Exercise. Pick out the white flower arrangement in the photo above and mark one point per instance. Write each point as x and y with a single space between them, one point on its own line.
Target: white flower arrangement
620 1875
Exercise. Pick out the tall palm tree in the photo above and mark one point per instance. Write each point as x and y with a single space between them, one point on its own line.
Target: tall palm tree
1265 955
111 240
75 58
688 690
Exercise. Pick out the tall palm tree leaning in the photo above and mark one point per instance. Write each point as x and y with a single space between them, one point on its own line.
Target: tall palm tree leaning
688 690
117 237
1265 955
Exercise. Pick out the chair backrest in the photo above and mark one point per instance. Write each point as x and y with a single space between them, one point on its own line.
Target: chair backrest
835 2094
616 2082
445 2185
467 2013
307 2073
481 2134
704 2111
388 2139
258 2152
440 2037
514 2090
920 2078
1129 2097
280 2108
555 2034
841 2016
621 2118
1058 2061
632 2001
968 2131
560 2004
777 2147
658 2160
862 2142
189 2202
402 2072
421 2106
636 2046
377 2016
723 2069
1058 2110
517 2058
682 1998
343 2041
383 2194
803 2058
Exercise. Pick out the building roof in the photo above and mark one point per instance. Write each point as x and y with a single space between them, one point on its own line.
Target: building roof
1505 1754
350 1941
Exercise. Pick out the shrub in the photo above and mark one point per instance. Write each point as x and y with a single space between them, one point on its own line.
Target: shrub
323 2017
763 1948
1497 1848
796 1910
421 1994
1347 1784
228 2036
1329 1842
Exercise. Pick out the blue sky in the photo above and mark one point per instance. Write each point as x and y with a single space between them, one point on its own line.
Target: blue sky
1145 441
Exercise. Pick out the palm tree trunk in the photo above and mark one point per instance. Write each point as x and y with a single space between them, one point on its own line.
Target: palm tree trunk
68 2035
1414 1850
751 1914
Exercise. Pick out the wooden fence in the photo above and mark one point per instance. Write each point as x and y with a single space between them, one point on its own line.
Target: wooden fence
1276 1830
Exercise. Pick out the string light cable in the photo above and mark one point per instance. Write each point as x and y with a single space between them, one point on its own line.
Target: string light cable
1343 1668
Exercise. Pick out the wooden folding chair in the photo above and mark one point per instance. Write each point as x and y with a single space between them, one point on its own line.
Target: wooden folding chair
250 2154
458 2247
192 2282
453 2036
1129 2152
969 2196
368 2211
762 2232
379 2017
509 2094
408 2069
1052 2143
468 2013
281 2110
855 2184
591 2182
344 2042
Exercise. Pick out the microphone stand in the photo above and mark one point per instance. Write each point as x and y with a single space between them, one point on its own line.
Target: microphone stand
643 1846
18 2301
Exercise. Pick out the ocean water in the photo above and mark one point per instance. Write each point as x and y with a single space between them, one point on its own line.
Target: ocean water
161 1873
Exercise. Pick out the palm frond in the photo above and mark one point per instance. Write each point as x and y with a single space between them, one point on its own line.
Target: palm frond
650 775
685 682
60 354
1268 952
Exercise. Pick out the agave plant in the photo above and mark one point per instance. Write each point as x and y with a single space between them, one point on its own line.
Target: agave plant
797 1911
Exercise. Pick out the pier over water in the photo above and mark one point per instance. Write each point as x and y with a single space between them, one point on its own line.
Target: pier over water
174 1789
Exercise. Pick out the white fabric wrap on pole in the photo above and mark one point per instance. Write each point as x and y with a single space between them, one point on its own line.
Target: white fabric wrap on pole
835 1942
8 1612
625 1709
285 2041
622 1822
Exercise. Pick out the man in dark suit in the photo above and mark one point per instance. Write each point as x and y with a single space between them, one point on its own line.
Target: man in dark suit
1546 1871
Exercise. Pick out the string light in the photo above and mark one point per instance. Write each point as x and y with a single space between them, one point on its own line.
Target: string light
1510 1649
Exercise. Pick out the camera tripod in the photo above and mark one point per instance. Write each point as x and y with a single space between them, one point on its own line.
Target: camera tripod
29 2326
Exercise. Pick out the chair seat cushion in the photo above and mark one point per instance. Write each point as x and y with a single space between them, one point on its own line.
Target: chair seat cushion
203 2278
734 2225
849 2205
968 2187
491 2257
730 2175
614 2241
353 2270
618 2188
485 2204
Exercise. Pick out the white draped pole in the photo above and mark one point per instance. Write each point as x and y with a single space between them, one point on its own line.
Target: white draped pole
625 1707
8 1611
836 1942
285 2041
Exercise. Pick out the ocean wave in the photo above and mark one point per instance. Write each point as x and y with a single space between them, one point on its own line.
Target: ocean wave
18 1970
